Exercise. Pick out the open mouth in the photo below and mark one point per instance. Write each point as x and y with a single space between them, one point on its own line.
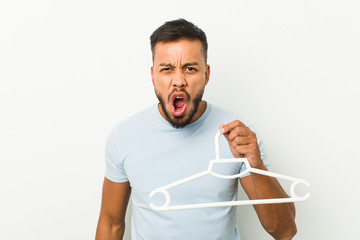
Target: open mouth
178 105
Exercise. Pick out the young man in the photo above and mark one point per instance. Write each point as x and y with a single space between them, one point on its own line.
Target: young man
173 140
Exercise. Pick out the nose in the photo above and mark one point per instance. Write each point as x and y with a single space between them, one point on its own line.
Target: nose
179 79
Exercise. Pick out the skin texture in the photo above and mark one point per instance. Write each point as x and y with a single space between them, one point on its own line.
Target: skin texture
277 219
180 67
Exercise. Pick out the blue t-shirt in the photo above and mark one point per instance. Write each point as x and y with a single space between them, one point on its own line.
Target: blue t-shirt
149 153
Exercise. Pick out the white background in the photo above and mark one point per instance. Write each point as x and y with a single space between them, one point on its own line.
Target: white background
70 70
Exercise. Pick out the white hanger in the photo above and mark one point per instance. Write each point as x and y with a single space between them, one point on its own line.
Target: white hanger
163 189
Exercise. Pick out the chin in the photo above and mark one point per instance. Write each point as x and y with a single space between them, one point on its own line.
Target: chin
184 119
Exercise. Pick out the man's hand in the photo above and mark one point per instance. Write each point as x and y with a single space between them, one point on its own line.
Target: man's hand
277 219
242 142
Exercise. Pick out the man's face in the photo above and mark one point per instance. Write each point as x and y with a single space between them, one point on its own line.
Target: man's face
179 75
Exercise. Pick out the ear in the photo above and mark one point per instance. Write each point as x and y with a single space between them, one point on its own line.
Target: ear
207 73
152 74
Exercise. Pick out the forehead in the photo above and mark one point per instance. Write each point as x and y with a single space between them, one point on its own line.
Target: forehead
184 50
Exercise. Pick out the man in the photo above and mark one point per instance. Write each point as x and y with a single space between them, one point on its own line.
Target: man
173 140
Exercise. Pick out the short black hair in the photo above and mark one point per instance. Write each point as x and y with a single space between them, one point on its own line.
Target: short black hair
176 30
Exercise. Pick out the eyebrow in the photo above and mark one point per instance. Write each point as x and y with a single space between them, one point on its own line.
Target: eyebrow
185 65
166 65
190 64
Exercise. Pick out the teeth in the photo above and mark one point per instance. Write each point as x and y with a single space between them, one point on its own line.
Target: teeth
178 97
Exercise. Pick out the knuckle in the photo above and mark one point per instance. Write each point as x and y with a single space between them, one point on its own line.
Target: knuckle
238 148
254 147
253 134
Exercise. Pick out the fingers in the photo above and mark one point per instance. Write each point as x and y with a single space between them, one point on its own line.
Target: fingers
241 133
230 126
243 145
242 141
236 129
245 149
240 138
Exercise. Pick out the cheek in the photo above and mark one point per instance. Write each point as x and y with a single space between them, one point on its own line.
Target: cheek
159 85
196 79
197 86
162 81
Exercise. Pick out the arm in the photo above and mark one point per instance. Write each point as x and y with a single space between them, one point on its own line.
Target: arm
115 197
277 219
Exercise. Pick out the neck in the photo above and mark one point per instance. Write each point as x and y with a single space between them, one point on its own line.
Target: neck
200 111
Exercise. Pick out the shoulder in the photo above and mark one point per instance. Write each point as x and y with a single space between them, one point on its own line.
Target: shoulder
132 124
138 119
220 111
224 115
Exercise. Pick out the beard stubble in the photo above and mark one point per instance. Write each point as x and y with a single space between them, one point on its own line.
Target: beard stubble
181 121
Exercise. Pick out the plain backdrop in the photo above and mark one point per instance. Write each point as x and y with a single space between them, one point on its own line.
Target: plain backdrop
71 69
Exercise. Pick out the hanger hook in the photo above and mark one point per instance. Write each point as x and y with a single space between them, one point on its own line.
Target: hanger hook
292 190
167 199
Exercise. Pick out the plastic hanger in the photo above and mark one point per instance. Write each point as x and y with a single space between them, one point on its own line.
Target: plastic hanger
163 190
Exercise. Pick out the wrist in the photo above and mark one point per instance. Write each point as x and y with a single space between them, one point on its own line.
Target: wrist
259 164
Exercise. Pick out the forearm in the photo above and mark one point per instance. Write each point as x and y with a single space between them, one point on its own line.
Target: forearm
277 219
107 230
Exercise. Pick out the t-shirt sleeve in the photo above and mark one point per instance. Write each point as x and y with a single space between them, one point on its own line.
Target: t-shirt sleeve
114 169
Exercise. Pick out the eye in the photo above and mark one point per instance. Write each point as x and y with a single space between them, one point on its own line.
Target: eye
167 69
191 69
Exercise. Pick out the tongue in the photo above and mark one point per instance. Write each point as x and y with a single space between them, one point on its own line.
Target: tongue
179 103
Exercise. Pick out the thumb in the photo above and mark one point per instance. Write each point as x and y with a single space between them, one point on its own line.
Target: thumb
226 135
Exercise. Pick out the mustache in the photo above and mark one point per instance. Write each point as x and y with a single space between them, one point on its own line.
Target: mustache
179 90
